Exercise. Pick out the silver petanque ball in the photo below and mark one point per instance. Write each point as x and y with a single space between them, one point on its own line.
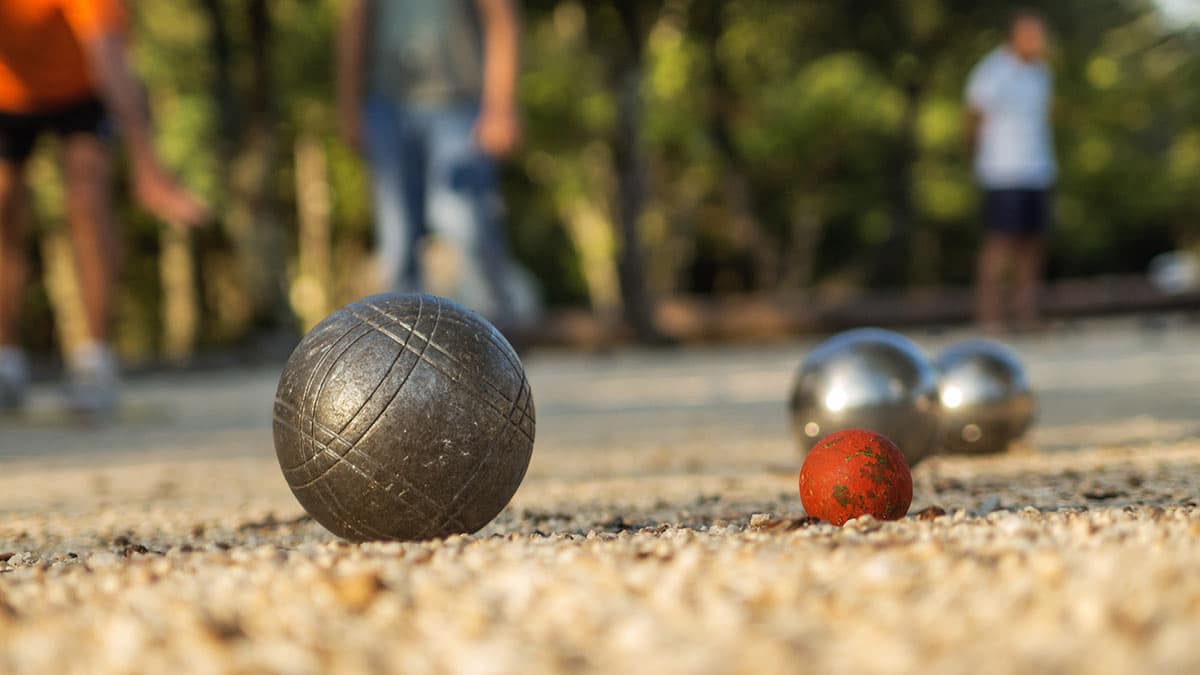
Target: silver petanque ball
867 379
986 399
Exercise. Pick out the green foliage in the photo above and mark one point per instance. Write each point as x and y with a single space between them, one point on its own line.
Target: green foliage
773 131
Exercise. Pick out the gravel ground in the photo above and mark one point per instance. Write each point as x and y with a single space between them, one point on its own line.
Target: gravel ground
659 530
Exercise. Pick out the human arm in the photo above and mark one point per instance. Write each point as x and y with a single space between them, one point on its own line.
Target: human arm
978 94
155 188
350 58
498 130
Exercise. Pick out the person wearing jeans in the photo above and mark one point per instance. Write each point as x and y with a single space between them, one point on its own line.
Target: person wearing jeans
426 91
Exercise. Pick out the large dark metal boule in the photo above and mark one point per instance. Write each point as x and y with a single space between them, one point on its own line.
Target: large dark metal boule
403 416
867 379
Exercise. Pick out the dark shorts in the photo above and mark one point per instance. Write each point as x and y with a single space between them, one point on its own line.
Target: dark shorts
1018 212
19 131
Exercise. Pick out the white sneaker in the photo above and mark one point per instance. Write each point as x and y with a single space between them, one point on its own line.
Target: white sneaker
93 381
14 379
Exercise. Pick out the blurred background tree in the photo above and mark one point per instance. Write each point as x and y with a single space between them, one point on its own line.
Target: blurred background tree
707 147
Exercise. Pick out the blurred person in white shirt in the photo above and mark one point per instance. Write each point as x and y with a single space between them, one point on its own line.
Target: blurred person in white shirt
1009 98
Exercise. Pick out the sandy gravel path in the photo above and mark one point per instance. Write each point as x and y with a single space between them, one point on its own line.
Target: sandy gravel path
659 530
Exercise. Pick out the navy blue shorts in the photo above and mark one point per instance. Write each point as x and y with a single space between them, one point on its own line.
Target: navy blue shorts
1018 212
19 131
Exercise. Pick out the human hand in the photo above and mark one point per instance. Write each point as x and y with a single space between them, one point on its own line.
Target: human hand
159 193
498 131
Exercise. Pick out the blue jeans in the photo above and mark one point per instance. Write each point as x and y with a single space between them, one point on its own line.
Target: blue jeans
429 175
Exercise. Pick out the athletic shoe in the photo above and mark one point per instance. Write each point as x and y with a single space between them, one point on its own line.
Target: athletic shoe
92 381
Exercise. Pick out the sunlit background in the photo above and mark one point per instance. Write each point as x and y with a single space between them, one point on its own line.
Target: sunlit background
781 147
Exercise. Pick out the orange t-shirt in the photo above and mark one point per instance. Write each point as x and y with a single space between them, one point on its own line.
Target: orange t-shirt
42 61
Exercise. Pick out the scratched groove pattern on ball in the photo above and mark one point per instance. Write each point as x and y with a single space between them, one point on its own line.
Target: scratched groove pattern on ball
403 416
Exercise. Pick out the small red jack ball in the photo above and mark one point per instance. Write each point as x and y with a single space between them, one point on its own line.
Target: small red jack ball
853 473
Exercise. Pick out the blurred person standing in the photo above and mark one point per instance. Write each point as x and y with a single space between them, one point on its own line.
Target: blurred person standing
64 71
427 91
1009 96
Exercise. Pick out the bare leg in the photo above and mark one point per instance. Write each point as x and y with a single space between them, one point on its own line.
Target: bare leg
13 216
989 277
87 168
1028 280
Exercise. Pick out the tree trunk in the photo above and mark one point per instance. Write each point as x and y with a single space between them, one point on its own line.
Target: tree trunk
180 305
737 190
251 220
222 85
312 288
892 263
630 197
799 268
631 182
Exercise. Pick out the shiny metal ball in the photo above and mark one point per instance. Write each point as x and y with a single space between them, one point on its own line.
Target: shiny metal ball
985 397
867 379
403 416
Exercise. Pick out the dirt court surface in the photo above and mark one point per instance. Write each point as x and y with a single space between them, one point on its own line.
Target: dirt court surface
658 530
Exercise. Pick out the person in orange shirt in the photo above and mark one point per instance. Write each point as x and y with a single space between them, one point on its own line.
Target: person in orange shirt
64 71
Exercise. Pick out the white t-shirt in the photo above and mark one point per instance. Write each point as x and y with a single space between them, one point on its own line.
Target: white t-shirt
1015 143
